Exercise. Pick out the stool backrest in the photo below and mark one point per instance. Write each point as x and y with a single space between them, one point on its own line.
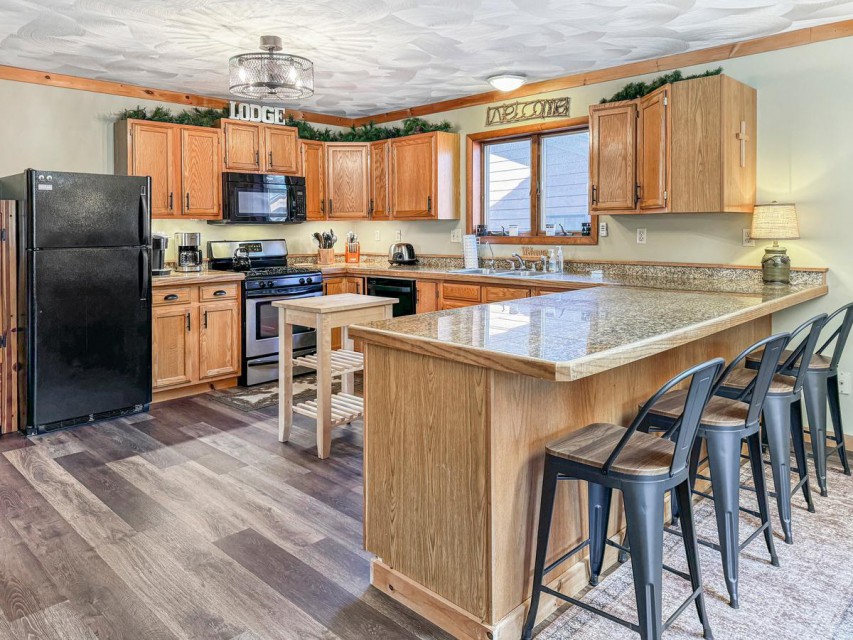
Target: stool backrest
702 377
840 335
756 391
797 364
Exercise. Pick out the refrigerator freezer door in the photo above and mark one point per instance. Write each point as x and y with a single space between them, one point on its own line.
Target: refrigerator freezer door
87 210
89 333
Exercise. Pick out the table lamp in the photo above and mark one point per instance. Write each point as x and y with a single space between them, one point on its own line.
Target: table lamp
775 222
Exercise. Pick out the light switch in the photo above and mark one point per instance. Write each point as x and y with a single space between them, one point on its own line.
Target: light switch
377 236
398 235
456 235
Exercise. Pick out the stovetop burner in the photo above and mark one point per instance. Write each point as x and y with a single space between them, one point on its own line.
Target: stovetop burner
264 272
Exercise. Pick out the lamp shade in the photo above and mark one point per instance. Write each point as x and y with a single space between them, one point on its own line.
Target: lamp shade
775 221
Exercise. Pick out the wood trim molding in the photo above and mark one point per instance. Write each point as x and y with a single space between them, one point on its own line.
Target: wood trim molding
473 182
109 87
719 53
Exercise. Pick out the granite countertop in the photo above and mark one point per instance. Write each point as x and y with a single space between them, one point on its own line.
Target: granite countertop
574 334
569 281
199 277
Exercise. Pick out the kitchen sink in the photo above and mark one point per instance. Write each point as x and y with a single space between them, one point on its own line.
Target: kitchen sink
519 273
479 272
512 273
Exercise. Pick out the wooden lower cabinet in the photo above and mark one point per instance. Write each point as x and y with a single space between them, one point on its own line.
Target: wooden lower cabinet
427 296
196 337
499 294
341 284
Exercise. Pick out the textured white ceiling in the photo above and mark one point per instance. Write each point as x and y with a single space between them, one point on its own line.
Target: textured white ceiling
372 56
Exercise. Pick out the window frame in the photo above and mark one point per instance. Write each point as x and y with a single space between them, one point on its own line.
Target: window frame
475 157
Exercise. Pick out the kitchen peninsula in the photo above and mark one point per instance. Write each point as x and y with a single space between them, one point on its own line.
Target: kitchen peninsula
460 403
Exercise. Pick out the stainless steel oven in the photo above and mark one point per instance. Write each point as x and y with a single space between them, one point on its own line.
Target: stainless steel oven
256 198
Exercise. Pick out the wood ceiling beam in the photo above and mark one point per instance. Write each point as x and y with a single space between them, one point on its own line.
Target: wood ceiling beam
720 53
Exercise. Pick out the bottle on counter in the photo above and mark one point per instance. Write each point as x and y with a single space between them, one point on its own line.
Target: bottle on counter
559 268
552 261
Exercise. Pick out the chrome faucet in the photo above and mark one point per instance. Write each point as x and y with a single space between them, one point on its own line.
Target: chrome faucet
521 264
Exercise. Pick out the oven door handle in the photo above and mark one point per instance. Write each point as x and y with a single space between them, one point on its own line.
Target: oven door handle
313 294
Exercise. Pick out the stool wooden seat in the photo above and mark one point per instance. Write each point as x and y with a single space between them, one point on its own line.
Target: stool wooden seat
644 455
720 412
818 361
742 378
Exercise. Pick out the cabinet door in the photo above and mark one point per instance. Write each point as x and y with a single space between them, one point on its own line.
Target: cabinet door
332 287
653 151
242 147
612 157
175 336
219 340
427 296
201 173
347 185
314 168
282 147
155 152
500 294
412 172
379 179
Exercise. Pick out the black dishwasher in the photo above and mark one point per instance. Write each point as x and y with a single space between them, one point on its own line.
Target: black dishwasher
404 290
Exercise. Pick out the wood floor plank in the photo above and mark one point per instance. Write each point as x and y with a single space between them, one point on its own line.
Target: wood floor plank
129 503
59 621
13 441
114 440
102 600
311 591
173 594
259 606
95 522
25 587
168 434
13 489
209 523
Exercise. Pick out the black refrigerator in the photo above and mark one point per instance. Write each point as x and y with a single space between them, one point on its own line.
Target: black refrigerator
84 276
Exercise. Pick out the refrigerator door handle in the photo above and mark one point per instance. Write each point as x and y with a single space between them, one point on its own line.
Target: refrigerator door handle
144 275
144 217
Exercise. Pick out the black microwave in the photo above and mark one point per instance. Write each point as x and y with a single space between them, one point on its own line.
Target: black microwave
259 198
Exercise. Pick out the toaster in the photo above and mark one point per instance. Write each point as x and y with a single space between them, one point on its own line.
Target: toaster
402 253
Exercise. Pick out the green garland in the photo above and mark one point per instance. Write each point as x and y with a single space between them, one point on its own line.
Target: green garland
365 133
634 90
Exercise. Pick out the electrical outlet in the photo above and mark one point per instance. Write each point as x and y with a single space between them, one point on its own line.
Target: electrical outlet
456 235
398 235
377 236
641 236
602 229
747 238
844 382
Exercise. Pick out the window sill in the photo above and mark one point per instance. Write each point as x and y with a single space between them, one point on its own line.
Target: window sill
534 240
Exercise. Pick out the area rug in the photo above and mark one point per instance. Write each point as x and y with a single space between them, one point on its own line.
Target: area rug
809 596
266 395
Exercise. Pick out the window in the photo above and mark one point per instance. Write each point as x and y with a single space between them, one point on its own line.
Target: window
533 181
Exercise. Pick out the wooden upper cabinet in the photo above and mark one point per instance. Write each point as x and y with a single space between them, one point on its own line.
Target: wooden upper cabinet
282 149
314 169
347 188
612 164
154 150
243 146
653 150
379 179
413 176
693 149
219 340
201 172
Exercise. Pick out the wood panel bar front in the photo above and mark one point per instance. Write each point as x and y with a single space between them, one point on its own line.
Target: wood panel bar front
453 463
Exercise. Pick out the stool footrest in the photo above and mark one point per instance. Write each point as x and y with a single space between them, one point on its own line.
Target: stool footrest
583 605
565 557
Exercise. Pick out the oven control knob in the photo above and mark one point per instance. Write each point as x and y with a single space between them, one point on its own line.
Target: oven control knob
309 281
302 281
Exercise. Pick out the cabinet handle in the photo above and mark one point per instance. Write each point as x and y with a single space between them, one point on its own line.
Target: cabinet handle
270 158
429 203
188 200
189 324
171 200
171 296
370 210
323 206
636 195
330 206
258 158
594 195
219 292
205 319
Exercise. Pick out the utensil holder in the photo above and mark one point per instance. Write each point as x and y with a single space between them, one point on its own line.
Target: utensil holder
325 257
353 252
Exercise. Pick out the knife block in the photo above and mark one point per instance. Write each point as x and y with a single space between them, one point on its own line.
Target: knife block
325 257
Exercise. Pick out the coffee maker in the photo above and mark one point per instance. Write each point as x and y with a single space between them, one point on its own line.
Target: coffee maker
159 244
189 252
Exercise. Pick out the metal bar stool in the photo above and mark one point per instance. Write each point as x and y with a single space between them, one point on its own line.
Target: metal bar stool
821 386
783 417
644 468
724 425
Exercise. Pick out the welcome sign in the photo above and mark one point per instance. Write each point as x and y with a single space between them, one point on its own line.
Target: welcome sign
257 113
530 110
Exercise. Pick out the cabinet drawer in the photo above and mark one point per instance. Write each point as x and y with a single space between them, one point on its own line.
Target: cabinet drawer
456 304
176 295
461 291
225 291
498 294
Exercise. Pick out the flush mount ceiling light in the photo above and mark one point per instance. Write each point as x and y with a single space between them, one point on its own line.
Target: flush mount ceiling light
507 81
269 75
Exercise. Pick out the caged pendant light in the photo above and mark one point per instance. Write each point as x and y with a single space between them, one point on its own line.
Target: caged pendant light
271 76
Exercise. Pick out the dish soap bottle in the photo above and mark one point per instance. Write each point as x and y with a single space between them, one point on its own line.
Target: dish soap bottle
552 262
559 268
